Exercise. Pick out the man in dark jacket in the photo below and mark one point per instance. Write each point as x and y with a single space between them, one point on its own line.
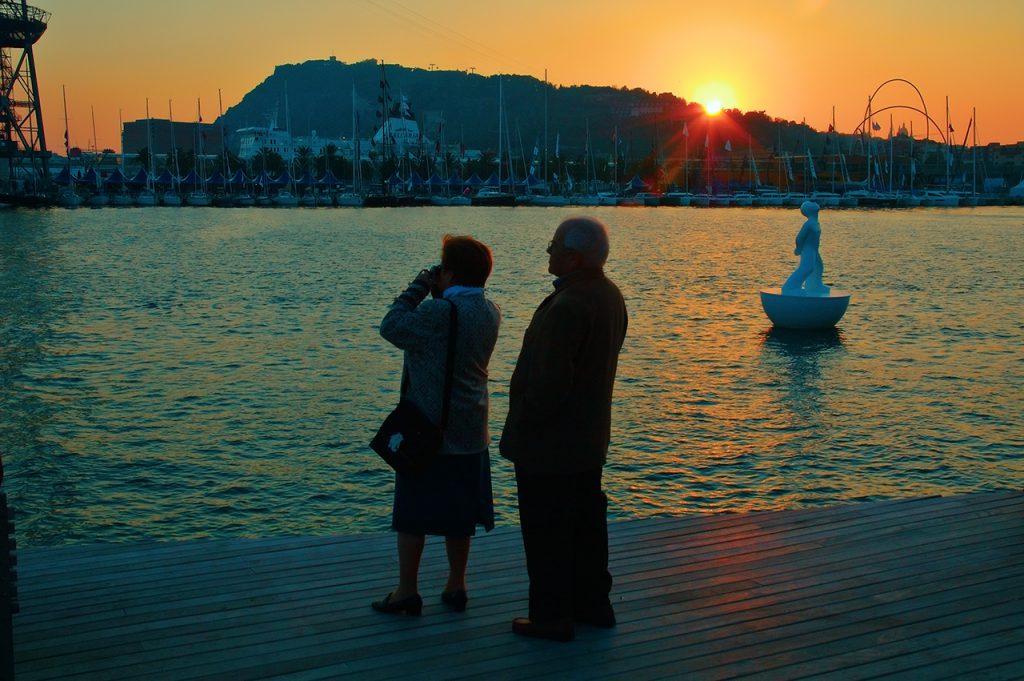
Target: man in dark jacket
557 433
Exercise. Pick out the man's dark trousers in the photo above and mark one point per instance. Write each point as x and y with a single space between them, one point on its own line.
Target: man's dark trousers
565 535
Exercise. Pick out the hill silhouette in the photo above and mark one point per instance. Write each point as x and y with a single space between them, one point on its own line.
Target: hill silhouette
319 97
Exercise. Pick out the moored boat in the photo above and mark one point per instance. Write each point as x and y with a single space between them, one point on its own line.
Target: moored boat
933 198
742 199
146 197
907 200
199 199
285 199
768 197
551 200
678 198
349 200
825 199
121 199
492 197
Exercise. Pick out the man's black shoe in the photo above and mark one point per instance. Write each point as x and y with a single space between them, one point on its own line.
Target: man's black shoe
602 616
559 630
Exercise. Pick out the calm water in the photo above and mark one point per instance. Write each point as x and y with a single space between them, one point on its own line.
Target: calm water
173 374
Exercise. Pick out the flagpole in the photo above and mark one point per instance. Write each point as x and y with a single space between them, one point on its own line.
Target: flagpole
686 162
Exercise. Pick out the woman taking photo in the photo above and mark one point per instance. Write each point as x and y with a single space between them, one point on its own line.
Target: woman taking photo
453 495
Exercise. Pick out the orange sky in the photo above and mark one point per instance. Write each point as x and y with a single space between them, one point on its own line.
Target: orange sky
795 59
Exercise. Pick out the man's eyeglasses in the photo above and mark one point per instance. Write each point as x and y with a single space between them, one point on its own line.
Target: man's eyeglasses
561 247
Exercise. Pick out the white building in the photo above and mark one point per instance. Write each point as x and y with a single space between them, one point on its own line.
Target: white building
252 140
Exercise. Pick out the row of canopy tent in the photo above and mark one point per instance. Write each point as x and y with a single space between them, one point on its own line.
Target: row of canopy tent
117 180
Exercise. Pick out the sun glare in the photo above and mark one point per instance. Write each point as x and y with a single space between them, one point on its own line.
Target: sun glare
715 96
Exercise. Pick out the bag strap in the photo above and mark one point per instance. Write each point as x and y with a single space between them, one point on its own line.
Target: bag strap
449 369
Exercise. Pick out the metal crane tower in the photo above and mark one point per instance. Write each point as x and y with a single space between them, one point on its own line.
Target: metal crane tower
24 167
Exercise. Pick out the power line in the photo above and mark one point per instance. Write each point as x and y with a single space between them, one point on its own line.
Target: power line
439 30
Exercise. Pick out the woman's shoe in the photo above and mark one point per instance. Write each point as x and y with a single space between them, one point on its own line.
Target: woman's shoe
456 600
410 605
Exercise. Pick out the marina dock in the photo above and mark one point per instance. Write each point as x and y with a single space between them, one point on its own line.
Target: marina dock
925 588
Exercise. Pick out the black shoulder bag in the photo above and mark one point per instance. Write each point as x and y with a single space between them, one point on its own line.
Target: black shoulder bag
407 440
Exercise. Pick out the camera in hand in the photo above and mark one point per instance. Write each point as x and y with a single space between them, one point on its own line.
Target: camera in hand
435 279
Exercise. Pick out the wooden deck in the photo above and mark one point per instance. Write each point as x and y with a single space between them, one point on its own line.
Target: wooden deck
918 589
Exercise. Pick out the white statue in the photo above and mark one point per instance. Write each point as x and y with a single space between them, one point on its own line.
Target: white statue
806 280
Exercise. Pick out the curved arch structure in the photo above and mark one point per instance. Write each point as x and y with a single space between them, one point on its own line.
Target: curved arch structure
869 113
924 113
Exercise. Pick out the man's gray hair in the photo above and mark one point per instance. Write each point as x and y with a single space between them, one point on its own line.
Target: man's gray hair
589 237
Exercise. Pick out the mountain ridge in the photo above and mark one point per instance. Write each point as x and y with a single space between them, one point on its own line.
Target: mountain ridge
316 95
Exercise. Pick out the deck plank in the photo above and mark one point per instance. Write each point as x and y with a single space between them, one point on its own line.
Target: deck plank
886 588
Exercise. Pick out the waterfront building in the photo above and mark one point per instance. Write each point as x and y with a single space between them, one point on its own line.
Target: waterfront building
167 135
252 140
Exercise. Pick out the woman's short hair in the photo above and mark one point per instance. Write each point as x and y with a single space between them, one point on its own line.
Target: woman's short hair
589 237
468 260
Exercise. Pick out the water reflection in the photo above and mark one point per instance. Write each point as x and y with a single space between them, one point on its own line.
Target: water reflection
797 342
32 306
174 375
799 360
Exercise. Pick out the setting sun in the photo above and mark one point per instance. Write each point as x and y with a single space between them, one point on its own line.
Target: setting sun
715 96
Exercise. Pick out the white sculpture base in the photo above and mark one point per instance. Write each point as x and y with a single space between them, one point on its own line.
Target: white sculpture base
802 311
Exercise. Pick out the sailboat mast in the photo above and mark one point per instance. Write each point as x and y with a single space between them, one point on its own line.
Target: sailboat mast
832 132
707 154
120 127
686 157
67 143
974 153
949 146
501 94
913 164
511 157
589 162
291 145
149 147
615 158
95 143
870 122
355 144
199 156
223 137
545 128
892 160
174 148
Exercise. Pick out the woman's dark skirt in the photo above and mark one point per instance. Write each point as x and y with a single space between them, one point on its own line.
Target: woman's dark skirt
448 499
